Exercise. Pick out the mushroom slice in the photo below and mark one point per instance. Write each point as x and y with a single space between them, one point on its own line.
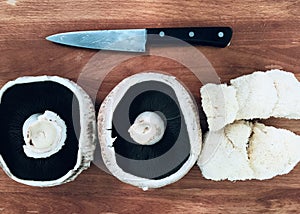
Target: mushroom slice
256 95
288 92
273 151
149 130
259 95
249 151
230 152
219 104
229 160
48 130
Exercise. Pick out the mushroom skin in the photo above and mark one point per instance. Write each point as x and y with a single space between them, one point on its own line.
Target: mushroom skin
189 110
148 128
86 136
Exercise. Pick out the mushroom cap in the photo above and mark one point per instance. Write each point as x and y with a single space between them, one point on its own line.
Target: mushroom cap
175 102
25 96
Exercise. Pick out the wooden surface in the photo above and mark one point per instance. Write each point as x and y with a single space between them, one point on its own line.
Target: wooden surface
266 35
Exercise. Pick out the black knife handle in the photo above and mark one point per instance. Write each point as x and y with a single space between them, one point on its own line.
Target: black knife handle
208 36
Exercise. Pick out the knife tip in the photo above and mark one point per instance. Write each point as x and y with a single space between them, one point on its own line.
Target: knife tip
53 38
49 38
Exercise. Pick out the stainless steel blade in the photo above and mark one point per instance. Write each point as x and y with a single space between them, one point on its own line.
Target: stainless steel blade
133 40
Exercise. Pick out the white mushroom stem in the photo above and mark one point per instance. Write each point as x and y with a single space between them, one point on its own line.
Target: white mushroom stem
44 134
148 128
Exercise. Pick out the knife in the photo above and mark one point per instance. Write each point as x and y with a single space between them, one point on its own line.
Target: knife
134 40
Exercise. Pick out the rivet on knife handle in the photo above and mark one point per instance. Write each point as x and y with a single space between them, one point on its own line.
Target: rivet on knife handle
210 36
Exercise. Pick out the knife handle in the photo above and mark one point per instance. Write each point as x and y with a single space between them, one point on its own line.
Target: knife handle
208 36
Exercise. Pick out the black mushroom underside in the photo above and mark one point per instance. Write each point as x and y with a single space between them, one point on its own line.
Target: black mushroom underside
21 101
166 156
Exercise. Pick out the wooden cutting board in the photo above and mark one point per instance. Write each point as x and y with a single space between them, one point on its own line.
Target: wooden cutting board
266 35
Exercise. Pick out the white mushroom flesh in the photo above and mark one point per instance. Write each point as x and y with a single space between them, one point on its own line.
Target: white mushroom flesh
44 134
259 95
219 104
147 129
240 150
256 95
249 151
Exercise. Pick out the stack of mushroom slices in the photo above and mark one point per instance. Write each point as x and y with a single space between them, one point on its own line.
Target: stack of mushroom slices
149 130
238 148
47 130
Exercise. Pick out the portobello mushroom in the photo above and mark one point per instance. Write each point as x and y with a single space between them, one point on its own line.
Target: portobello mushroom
149 130
48 130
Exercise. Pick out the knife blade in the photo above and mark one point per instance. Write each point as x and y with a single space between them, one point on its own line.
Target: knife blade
134 40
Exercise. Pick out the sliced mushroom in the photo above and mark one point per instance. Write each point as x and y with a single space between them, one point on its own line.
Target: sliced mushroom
149 130
48 130
260 95
236 149
249 151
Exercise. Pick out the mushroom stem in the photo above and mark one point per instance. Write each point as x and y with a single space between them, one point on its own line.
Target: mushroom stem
44 134
148 128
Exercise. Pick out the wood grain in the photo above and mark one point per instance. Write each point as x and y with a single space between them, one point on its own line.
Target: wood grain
266 35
